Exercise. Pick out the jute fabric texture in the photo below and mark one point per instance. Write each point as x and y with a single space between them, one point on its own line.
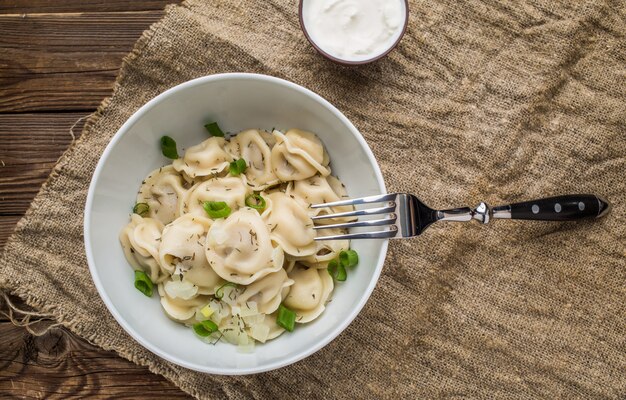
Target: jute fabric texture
482 100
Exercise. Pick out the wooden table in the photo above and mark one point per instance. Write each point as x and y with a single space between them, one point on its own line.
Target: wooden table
58 60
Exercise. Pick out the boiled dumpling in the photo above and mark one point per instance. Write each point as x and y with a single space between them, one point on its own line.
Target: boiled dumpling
290 225
162 190
326 250
265 329
268 292
237 270
289 264
229 189
252 146
180 309
207 158
140 241
309 293
298 155
239 248
182 252
319 190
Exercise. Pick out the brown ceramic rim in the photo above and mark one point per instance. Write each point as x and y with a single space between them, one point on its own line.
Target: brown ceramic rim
346 62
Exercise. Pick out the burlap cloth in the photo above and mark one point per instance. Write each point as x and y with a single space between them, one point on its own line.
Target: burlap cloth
481 101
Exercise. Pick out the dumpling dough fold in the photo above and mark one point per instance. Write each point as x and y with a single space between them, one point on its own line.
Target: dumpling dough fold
182 252
298 155
162 191
240 250
140 242
309 293
205 159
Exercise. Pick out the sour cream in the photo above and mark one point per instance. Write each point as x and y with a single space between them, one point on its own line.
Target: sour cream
354 30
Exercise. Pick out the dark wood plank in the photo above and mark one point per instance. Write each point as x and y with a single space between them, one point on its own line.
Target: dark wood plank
57 6
59 365
64 61
7 225
30 145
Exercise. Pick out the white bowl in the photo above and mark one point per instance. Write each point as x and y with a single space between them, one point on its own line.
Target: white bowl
237 102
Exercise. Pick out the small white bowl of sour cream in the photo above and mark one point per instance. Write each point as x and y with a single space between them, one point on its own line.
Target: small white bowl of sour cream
354 32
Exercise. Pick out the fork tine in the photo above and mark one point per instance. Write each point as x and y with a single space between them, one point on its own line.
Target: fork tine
375 222
362 200
365 235
369 211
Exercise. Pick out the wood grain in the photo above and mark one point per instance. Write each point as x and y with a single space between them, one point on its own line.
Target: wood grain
30 145
64 61
7 225
61 56
56 6
59 365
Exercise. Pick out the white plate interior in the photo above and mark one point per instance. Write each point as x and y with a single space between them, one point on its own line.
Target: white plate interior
236 102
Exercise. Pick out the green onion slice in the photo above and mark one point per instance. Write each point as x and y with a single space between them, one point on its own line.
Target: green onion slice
143 283
238 167
214 129
205 328
216 209
256 201
168 147
337 270
349 258
141 209
286 318
219 293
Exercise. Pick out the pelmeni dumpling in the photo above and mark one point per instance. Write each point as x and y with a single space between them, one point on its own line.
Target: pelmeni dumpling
182 252
140 241
309 293
238 270
326 250
319 190
265 328
267 292
298 155
180 309
162 190
252 146
239 248
204 159
289 264
229 189
290 225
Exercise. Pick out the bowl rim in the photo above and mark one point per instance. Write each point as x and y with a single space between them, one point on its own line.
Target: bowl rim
92 264
351 63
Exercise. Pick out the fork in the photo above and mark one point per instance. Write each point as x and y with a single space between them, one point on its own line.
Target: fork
405 216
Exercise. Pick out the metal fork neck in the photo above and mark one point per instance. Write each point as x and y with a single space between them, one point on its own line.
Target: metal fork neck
482 213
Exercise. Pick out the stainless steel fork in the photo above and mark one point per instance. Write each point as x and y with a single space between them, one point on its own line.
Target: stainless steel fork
405 216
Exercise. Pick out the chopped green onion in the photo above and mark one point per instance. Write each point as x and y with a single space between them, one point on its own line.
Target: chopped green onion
219 293
143 283
256 201
141 209
286 318
349 258
337 270
205 328
216 209
214 129
168 147
238 167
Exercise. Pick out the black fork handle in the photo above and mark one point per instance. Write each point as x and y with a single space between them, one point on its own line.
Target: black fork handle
570 207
